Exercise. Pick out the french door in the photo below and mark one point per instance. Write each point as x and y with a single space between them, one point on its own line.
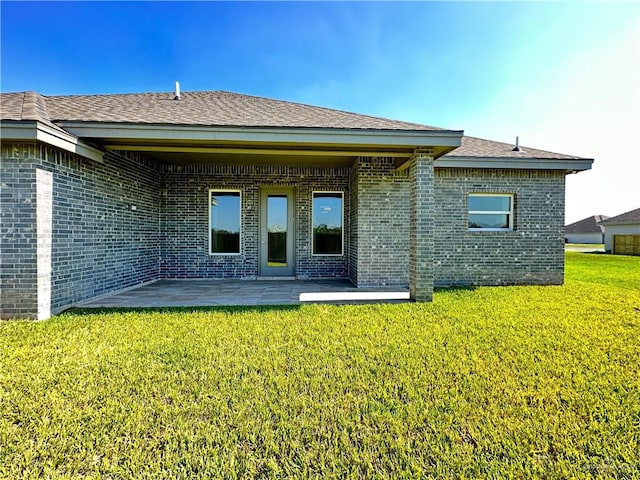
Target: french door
277 232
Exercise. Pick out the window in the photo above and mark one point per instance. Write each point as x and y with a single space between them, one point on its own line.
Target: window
224 222
327 238
490 212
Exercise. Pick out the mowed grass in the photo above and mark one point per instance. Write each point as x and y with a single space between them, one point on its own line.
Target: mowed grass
603 269
507 382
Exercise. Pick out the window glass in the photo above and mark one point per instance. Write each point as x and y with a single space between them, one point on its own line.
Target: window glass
483 220
490 212
224 217
488 203
327 223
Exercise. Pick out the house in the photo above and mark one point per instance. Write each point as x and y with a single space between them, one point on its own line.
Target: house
586 230
622 233
104 192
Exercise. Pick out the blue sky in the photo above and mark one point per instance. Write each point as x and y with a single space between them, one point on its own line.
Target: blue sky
564 76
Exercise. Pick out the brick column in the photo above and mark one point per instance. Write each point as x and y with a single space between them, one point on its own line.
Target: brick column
44 240
421 226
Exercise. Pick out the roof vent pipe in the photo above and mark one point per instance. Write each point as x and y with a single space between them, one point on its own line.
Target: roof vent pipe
177 97
517 147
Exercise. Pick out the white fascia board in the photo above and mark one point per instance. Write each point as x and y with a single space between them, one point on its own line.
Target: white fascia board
18 131
567 164
68 142
37 131
317 136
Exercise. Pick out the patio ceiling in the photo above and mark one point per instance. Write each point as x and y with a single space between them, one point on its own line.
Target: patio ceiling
257 145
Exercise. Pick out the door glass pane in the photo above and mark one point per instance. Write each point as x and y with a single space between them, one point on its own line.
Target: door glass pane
276 230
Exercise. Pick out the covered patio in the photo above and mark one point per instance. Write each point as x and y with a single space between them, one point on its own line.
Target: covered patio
203 293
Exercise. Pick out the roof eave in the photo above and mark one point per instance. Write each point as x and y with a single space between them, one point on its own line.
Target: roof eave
569 165
33 130
163 133
606 223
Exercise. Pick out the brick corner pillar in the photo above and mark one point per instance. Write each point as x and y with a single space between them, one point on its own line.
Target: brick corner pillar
421 210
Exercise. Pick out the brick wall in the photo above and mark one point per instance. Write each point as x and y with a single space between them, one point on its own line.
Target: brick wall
100 243
381 199
97 243
533 253
185 222
18 234
127 220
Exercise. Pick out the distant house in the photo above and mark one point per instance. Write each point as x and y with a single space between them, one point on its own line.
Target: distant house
622 233
104 192
586 230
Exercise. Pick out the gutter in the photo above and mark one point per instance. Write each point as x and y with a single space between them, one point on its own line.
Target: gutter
162 133
569 165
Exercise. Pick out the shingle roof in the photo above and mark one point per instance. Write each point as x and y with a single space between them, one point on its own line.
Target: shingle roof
632 216
214 108
478 147
221 108
25 106
587 225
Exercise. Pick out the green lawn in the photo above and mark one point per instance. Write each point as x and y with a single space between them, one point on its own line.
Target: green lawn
507 382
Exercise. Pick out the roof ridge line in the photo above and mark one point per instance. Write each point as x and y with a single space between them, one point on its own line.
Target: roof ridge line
24 96
34 107
107 94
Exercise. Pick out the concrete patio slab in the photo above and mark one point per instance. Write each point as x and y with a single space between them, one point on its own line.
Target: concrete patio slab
203 293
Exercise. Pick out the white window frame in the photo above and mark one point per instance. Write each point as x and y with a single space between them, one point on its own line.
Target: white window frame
225 190
509 212
313 194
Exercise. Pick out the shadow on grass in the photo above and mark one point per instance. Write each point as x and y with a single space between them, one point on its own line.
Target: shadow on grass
455 288
190 309
79 311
